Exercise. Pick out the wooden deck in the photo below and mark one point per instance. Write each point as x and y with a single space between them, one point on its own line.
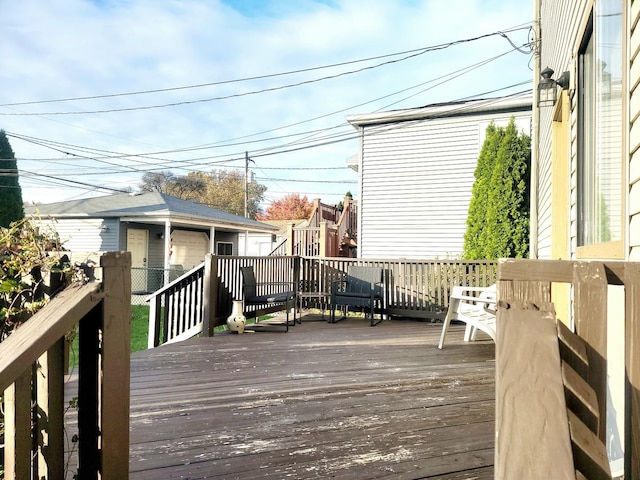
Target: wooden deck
323 401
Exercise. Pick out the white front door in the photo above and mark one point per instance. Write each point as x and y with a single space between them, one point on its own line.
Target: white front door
137 244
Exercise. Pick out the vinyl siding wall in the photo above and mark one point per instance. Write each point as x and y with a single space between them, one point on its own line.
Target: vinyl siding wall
88 235
416 180
634 130
562 24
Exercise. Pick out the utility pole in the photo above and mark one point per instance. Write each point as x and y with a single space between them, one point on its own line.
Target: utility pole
246 198
246 184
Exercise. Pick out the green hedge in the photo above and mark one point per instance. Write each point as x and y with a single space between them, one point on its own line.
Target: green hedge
498 221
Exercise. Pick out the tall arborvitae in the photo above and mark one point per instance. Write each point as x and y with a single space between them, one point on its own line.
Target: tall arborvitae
11 208
498 222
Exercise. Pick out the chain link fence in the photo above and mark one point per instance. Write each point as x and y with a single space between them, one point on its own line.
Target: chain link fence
145 281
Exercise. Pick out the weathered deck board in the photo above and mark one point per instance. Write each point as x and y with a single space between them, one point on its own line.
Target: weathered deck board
323 401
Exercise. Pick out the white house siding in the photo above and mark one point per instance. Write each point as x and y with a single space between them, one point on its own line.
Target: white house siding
416 180
634 131
88 235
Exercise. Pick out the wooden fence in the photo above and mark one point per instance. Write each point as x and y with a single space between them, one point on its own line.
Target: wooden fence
416 289
32 366
412 288
552 385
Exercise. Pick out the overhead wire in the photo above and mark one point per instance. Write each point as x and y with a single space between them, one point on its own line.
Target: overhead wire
414 54
220 144
306 143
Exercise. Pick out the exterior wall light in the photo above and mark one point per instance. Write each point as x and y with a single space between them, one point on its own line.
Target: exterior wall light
547 91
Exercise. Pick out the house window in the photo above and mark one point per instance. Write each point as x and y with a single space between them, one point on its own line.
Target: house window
600 116
224 248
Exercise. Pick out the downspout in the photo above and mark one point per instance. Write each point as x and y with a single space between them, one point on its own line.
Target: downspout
535 140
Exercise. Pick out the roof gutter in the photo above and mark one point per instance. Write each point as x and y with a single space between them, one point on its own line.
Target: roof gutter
448 110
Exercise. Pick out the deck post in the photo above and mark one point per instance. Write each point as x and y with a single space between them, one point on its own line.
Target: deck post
49 384
590 307
521 367
324 249
17 435
632 353
116 348
209 300
88 398
290 240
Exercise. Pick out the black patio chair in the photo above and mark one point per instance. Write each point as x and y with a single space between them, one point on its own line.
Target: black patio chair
263 298
361 288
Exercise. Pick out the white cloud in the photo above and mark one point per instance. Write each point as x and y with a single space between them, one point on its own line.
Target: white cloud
71 48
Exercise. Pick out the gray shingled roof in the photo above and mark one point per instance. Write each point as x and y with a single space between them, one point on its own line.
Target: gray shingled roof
147 205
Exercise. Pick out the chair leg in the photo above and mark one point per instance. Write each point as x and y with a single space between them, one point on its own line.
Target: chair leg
373 315
447 322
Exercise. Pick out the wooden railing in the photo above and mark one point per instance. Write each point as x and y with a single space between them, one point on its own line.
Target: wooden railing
307 241
325 232
176 311
280 249
202 298
32 376
225 284
418 289
412 288
552 385
322 213
348 221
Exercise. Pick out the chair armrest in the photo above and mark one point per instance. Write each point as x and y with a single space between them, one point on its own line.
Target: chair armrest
274 283
334 285
474 299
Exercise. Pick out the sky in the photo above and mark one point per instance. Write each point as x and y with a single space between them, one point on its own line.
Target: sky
94 93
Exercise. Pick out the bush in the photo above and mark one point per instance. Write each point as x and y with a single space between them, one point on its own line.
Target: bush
498 221
30 272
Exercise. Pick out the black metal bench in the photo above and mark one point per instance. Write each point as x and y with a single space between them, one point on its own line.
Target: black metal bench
267 297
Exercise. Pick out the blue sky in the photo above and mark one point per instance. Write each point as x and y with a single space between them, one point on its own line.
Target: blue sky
214 76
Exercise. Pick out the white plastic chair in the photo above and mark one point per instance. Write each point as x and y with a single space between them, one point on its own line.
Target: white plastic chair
478 312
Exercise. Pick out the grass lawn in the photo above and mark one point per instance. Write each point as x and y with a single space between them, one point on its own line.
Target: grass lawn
139 332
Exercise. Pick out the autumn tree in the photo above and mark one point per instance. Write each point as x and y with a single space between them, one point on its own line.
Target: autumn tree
221 189
290 207
10 192
156 181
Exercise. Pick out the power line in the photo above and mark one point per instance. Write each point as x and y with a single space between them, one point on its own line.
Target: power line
221 144
414 53
211 84
337 138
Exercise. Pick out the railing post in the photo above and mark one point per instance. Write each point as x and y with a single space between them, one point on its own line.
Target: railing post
290 240
632 353
324 250
590 307
115 351
49 419
155 306
17 434
210 295
88 400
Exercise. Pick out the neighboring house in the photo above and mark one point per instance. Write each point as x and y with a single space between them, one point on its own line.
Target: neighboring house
416 170
586 160
160 231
